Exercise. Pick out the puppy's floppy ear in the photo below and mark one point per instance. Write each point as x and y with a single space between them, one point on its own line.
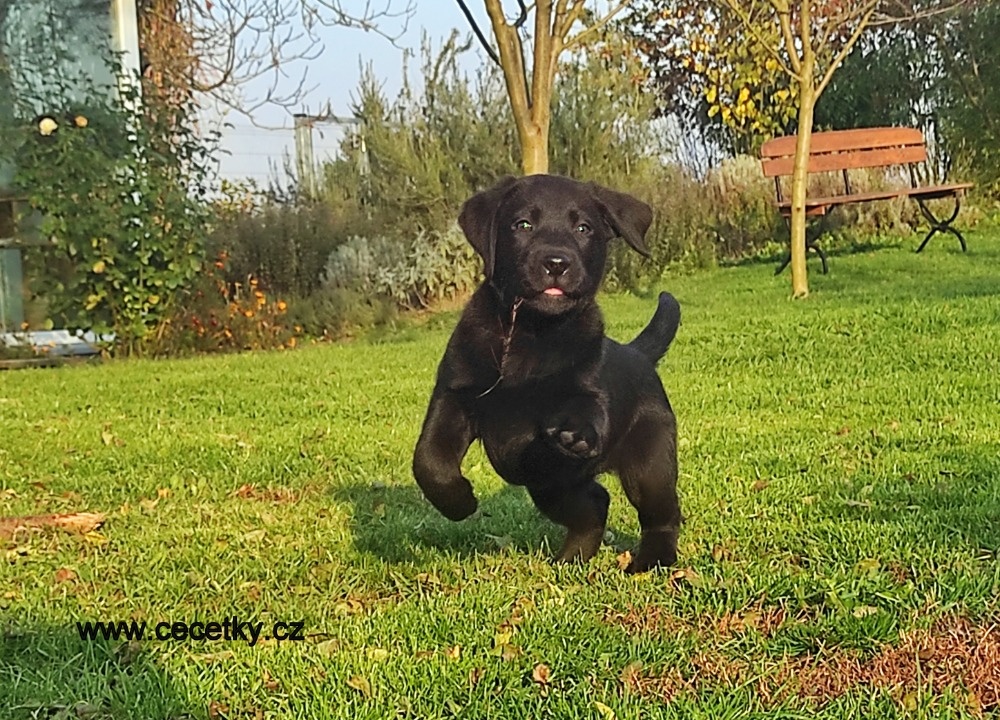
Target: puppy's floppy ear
478 220
627 216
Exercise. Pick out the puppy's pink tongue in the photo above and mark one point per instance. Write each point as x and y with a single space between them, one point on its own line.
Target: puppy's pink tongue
554 291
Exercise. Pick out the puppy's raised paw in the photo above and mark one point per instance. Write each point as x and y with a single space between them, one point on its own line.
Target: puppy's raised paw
574 438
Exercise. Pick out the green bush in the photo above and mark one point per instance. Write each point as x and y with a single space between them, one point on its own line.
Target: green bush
120 196
284 245
430 268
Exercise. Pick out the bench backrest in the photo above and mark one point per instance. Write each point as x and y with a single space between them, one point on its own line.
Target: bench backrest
846 150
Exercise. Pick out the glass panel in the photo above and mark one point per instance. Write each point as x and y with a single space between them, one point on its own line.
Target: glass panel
50 52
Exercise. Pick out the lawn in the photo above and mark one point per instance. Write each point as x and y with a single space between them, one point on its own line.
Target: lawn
840 475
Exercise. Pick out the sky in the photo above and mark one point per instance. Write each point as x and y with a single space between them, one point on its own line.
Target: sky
251 147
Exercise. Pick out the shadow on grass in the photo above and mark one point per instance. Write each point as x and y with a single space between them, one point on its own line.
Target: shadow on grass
398 525
962 500
50 672
839 248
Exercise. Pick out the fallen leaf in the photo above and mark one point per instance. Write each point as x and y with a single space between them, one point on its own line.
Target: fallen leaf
974 704
163 493
378 654
328 647
270 684
107 438
605 712
687 574
501 541
245 491
361 684
95 538
217 709
541 673
453 653
254 536
65 575
624 560
509 652
475 675
718 553
70 522
759 485
868 565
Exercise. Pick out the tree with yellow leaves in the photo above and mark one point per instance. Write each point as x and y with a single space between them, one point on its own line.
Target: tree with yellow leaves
803 40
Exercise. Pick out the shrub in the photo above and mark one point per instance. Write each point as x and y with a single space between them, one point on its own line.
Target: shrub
432 267
119 192
284 245
215 315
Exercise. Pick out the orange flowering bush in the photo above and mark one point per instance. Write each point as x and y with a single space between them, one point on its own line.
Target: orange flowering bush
220 316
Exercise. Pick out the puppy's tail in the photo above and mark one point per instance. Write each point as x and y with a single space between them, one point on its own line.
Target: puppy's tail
654 340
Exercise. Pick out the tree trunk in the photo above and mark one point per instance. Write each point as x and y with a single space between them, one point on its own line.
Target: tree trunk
534 147
800 183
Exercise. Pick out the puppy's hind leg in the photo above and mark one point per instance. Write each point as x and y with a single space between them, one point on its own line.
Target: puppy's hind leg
649 478
582 508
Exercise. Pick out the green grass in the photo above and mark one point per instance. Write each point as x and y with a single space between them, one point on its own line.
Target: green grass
840 465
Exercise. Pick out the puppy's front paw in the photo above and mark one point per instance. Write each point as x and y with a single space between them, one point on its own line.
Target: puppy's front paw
459 504
574 438
455 500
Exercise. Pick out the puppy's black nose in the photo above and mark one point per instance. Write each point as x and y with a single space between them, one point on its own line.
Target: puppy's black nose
556 265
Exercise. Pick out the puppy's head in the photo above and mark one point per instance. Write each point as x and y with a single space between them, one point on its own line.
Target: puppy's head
544 238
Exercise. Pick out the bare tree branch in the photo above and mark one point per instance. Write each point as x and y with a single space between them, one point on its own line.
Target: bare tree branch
908 14
596 26
479 33
242 42
846 49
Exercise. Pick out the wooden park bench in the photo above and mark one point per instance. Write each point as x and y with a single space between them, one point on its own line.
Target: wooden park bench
844 150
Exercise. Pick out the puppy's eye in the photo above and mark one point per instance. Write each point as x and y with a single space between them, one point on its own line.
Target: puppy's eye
522 225
583 228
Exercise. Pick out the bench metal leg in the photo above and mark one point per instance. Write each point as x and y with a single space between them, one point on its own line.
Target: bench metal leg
940 226
811 238
819 251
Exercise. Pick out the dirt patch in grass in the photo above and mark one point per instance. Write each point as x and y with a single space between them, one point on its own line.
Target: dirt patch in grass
656 620
953 655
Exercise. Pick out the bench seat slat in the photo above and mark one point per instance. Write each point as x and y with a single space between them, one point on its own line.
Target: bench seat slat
819 206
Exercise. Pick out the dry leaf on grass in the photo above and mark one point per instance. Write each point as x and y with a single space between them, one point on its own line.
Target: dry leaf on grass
605 712
541 674
65 575
361 684
82 523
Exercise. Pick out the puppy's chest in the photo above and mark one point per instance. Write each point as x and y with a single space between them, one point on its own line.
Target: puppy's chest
521 361
521 409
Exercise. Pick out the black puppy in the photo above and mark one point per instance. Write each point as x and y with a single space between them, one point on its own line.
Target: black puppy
529 372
